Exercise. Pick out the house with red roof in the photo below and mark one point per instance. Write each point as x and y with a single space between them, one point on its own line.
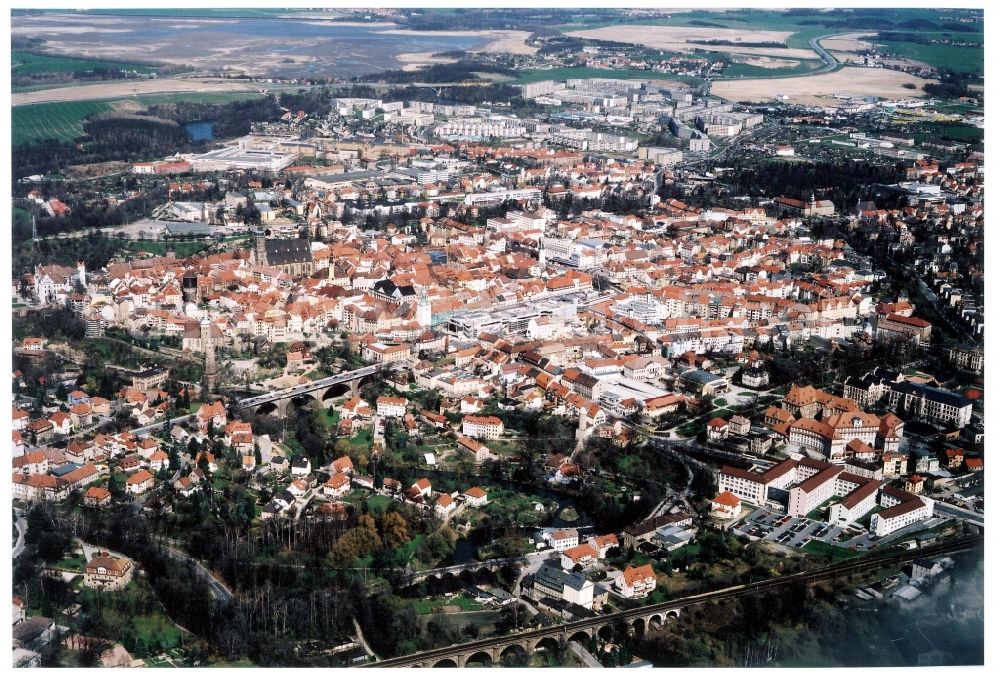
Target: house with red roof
636 582
475 496
139 482
726 506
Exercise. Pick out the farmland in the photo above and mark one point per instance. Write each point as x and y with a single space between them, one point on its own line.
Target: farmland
962 59
62 121
748 70
27 63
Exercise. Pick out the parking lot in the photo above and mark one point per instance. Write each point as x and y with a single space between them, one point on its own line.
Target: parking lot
774 526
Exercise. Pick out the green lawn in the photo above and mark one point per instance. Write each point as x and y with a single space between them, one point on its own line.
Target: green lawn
156 630
181 250
379 503
62 121
26 63
820 548
75 562
948 130
407 550
332 419
819 513
692 549
428 606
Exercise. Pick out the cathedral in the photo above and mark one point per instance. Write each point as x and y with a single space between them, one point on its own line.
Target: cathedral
291 255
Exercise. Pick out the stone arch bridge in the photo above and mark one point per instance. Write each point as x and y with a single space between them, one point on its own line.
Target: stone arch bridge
318 389
492 652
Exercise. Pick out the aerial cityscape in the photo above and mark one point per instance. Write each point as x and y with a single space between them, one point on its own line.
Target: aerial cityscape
510 337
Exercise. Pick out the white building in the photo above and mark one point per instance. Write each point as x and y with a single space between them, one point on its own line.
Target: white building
391 407
560 540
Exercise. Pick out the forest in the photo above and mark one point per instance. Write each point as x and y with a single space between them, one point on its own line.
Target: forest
232 119
156 133
844 183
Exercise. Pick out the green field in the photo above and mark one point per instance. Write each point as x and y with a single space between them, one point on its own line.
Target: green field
821 548
26 63
62 121
946 130
195 97
428 606
961 59
737 70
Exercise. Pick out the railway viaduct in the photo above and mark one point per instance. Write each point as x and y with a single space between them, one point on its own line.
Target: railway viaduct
637 621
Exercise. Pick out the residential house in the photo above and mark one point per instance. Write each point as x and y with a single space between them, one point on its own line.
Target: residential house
636 582
139 482
108 573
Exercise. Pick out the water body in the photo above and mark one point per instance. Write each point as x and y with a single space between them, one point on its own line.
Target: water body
201 130
269 48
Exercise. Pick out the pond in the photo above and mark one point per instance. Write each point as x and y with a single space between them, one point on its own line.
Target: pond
200 130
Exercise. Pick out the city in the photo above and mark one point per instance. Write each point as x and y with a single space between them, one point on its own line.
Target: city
579 338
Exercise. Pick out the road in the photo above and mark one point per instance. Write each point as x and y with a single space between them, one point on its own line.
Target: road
143 430
218 589
951 511
22 529
831 62
313 385
589 660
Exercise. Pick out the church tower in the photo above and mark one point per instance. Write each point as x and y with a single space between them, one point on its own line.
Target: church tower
208 346
81 274
259 249
423 309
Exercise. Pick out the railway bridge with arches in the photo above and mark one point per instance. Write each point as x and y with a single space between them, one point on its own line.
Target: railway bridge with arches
491 651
